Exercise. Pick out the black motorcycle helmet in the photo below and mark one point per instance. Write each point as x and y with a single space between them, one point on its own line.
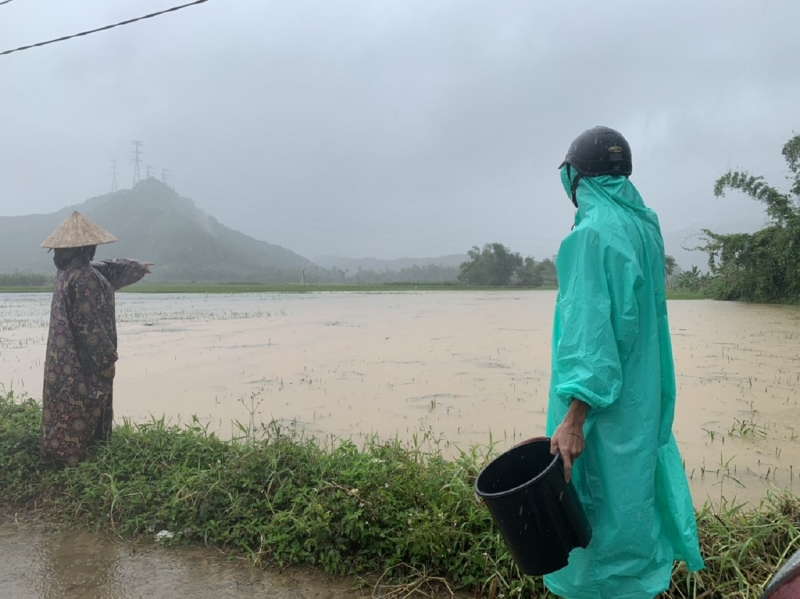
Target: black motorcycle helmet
598 151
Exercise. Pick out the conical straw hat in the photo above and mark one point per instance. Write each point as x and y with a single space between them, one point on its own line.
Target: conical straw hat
77 231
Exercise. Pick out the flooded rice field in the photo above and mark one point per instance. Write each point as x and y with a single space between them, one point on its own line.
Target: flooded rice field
464 367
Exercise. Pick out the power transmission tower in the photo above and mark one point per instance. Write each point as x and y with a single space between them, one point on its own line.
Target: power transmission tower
149 174
113 175
164 176
136 151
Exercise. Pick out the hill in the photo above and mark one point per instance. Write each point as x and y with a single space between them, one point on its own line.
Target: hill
153 223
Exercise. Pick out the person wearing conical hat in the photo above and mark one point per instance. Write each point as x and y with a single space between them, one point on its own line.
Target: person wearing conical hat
79 366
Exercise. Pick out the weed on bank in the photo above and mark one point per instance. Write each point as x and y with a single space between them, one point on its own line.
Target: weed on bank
384 510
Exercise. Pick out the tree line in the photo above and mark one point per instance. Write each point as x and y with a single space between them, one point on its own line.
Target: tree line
430 273
25 279
493 266
496 266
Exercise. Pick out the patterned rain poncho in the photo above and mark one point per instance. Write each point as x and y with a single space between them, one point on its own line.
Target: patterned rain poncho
82 344
612 350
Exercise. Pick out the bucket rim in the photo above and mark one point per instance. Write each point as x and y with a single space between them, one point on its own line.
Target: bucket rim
550 466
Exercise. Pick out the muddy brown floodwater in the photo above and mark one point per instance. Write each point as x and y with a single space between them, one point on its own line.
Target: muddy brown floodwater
463 367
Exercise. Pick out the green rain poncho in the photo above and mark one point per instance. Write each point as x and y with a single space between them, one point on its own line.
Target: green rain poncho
612 350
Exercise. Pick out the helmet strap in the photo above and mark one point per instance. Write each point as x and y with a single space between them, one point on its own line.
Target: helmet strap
575 181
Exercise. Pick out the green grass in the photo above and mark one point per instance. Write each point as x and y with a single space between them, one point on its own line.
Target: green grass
166 287
682 294
383 508
277 288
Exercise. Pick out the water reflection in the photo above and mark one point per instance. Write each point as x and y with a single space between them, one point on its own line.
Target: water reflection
77 565
41 564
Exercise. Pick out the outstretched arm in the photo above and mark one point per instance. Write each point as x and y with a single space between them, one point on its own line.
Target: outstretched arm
121 273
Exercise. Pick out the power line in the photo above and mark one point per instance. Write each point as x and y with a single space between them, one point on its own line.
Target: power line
82 33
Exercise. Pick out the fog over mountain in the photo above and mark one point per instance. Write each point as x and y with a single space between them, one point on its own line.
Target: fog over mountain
153 223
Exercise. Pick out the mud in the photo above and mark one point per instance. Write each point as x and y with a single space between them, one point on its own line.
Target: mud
464 368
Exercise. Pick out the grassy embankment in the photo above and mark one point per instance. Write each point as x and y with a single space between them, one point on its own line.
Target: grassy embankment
386 508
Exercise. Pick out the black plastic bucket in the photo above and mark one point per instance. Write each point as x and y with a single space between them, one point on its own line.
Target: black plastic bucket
786 583
538 512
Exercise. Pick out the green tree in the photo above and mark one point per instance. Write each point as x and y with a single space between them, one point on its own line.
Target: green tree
493 266
669 265
690 280
547 269
528 274
763 266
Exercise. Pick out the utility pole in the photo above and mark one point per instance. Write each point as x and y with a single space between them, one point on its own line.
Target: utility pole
136 151
164 176
113 175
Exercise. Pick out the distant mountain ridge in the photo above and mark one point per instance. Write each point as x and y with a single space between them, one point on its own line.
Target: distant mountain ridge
154 223
353 264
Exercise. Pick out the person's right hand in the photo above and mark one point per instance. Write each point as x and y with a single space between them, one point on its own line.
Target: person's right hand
109 372
568 437
569 442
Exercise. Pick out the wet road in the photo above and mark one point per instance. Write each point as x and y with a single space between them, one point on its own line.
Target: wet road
40 563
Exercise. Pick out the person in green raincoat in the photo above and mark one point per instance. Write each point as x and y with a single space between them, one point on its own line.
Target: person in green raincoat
612 391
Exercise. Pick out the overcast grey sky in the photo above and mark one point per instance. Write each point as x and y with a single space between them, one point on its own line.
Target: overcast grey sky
392 128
